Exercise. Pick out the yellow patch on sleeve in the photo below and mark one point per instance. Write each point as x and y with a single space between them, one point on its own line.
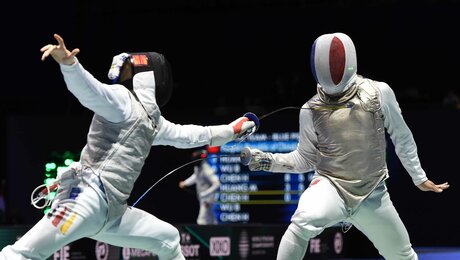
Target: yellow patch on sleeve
65 227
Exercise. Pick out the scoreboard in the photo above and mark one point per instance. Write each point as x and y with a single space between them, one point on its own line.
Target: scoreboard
257 196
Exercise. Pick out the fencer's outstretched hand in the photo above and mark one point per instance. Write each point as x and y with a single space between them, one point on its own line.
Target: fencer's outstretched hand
222 134
255 159
242 126
59 52
430 186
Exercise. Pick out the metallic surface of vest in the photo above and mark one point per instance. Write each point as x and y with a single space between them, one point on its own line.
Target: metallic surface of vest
351 142
116 152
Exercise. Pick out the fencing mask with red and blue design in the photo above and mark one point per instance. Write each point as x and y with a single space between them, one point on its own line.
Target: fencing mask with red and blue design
333 62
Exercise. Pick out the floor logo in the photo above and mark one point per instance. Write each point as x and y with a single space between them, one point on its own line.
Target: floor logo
244 245
219 246
102 251
338 243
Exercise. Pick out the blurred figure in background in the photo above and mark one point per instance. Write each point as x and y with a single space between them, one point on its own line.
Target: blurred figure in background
206 184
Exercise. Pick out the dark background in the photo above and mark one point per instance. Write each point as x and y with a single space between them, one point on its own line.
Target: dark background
228 58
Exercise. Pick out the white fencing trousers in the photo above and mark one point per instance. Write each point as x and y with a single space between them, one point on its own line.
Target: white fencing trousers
320 207
206 214
79 210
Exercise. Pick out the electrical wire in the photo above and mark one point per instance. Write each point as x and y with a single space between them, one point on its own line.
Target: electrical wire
216 156
176 169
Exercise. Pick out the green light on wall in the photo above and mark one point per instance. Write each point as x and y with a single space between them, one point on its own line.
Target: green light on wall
46 210
58 162
50 166
67 162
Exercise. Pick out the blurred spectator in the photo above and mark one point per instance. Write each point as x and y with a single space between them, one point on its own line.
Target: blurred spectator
206 183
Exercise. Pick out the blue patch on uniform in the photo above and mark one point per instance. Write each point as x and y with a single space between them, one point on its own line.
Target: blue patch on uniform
74 193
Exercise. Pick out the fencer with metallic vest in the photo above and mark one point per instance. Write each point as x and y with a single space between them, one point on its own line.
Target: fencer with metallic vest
126 123
342 138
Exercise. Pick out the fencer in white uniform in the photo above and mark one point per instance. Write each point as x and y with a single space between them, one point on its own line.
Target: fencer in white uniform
342 137
207 184
92 194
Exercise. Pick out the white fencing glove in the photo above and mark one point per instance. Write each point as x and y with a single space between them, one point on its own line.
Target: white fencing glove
222 134
256 160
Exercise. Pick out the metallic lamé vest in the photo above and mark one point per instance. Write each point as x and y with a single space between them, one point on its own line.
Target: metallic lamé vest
117 152
351 140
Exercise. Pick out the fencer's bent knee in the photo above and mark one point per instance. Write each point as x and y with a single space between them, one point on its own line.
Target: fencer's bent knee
306 226
302 231
170 245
